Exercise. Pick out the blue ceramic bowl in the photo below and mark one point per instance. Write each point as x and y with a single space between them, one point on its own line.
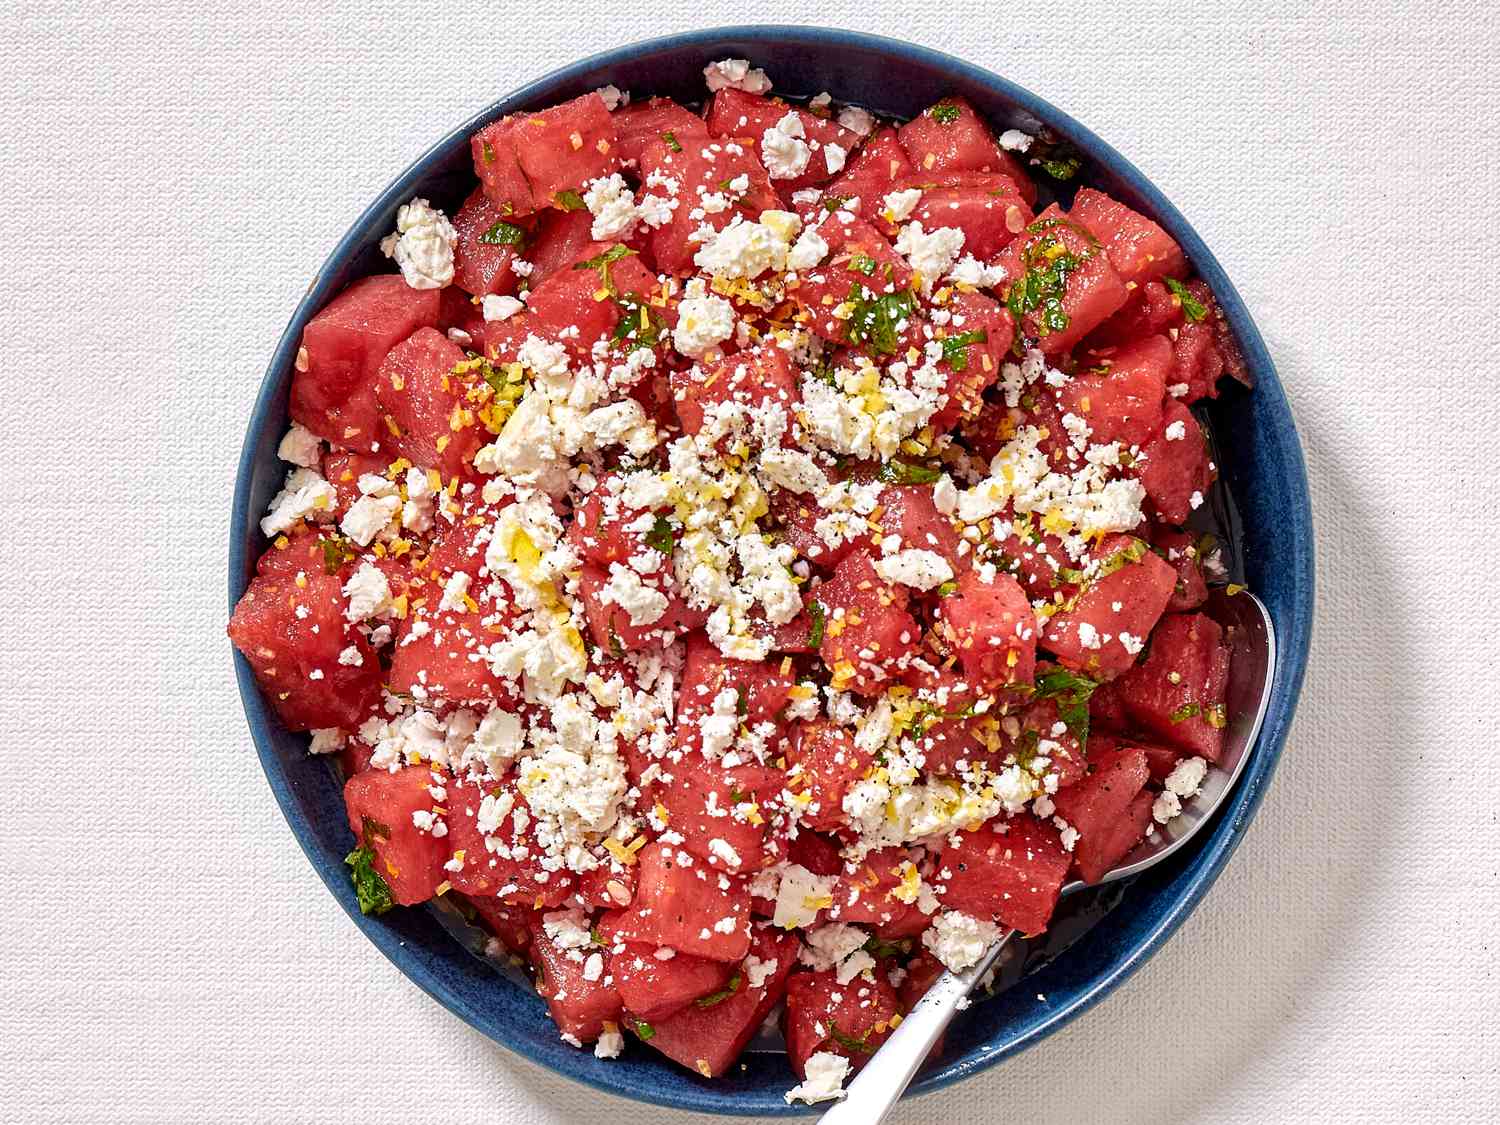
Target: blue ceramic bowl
1261 461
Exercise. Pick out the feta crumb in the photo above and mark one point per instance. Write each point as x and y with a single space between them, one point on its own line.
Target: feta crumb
305 493
610 1043
499 307
1013 140
736 74
368 592
1176 431
300 446
930 253
857 120
959 940
825 1072
900 204
834 156
422 245
921 570
703 320
613 96
783 150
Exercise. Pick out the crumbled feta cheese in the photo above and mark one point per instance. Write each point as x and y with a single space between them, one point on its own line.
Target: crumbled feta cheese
300 446
1176 431
783 149
825 1072
743 249
304 494
810 249
900 204
703 320
1013 140
930 253
613 96
857 120
326 740
800 895
834 156
368 592
610 1043
422 245
736 74
921 570
612 203
959 940
644 604
499 307
1166 806
1187 777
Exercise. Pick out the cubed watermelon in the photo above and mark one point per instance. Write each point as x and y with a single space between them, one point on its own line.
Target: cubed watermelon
728 816
683 903
700 169
1059 282
708 1038
986 206
1177 692
581 304
867 891
655 119
429 419
333 387
989 624
1119 393
878 169
488 242
975 342
1099 807
579 999
1175 470
380 805
851 1019
736 114
863 270
1006 871
610 624
951 137
1185 552
529 161
1107 625
654 988
1204 348
822 764
867 630
294 634
1139 250
505 864
755 380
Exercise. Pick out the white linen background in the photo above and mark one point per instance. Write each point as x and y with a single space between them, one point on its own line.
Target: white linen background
174 173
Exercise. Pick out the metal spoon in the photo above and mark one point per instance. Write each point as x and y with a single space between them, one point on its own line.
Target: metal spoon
877 1088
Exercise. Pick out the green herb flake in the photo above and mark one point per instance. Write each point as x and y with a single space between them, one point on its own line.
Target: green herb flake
1063 165
863 263
947 589
723 994
487 151
905 472
956 348
876 322
672 142
1192 308
1185 712
848 1042
662 536
504 234
1215 716
1072 692
832 203
946 113
569 200
640 325
372 891
336 552
616 649
815 634
876 947
1039 291
643 1030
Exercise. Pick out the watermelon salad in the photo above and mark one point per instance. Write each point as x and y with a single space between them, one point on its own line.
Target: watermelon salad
742 558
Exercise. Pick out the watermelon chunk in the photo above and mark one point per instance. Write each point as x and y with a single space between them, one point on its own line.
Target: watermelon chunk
863 264
1009 872
1095 637
580 1000
1123 401
981 331
987 207
1177 692
655 120
333 388
380 805
1176 472
653 989
851 1019
867 630
1058 278
1139 250
878 169
756 381
951 137
822 764
580 305
506 864
488 242
991 627
699 170
683 903
1099 805
708 1038
727 816
744 116
1185 553
293 636
527 161
425 401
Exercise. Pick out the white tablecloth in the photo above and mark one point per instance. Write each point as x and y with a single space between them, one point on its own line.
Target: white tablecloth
174 173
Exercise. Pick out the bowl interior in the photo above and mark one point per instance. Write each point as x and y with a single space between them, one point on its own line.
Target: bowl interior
1261 461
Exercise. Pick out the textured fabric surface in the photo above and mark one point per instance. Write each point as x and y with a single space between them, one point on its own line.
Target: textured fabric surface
174 173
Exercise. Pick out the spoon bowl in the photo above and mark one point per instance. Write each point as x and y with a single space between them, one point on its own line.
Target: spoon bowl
1252 642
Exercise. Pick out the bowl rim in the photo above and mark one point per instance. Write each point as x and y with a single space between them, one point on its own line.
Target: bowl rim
1295 551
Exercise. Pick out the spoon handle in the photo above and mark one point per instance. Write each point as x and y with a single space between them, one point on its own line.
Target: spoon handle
877 1088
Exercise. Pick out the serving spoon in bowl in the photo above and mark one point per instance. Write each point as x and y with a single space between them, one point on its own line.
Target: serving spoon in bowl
1247 627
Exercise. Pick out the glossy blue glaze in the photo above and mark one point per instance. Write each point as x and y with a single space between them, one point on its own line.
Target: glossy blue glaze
1262 461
